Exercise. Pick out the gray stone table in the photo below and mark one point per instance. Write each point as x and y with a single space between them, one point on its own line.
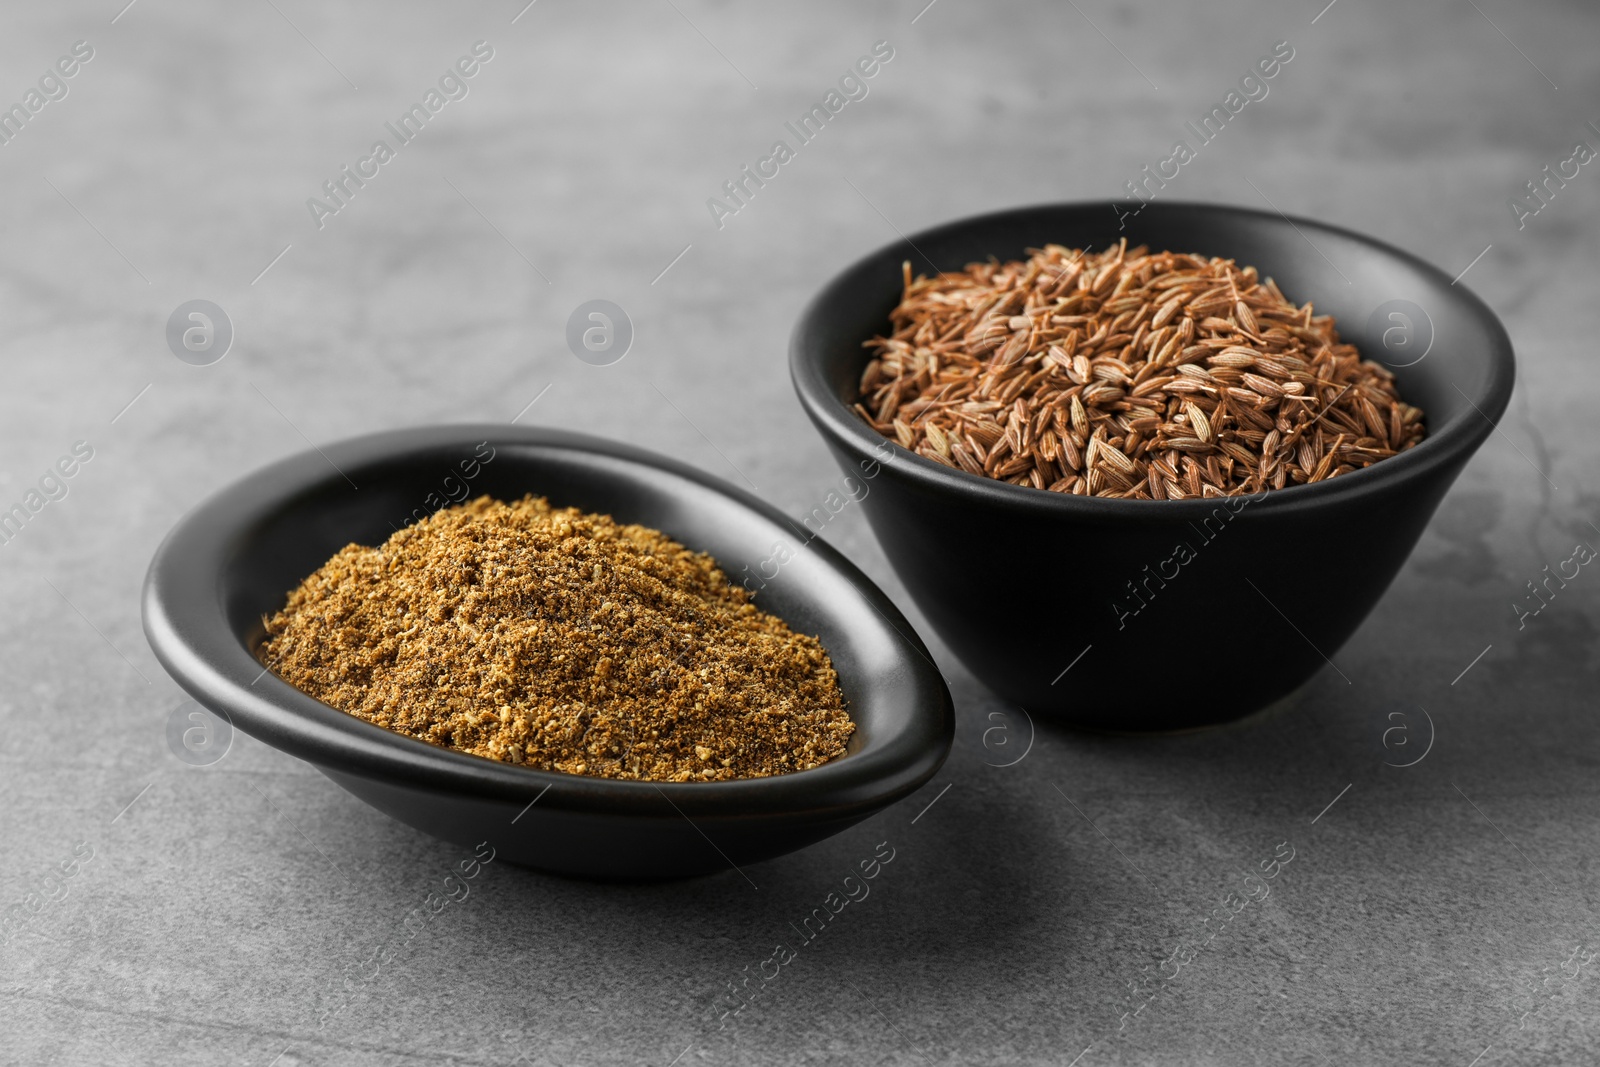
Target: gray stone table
229 913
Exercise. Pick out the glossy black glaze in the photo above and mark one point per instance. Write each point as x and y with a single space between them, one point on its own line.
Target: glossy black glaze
1019 582
235 557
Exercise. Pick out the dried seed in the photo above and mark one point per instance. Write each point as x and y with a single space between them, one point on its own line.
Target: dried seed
1080 417
1010 369
1164 313
1264 386
1069 448
1187 444
1247 320
1112 455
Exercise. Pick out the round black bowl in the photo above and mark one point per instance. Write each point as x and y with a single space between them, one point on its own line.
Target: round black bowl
235 558
1084 607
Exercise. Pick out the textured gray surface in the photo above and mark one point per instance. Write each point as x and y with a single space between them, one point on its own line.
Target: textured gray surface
231 906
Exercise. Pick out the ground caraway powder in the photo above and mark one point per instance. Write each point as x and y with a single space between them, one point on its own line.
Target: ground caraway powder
563 641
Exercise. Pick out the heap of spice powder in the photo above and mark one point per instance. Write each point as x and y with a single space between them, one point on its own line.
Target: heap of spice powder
1127 374
563 641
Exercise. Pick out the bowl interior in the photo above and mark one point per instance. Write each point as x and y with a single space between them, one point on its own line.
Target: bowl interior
234 560
1341 273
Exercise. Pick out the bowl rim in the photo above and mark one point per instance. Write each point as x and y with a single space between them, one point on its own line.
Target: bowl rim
1440 449
186 624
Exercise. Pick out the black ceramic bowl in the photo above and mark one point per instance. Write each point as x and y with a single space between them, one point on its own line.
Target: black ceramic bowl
235 557
1023 583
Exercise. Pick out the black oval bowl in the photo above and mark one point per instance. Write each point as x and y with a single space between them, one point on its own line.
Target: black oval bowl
235 557
1085 607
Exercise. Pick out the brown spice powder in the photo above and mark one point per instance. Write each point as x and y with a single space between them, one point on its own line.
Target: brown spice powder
1124 373
563 641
